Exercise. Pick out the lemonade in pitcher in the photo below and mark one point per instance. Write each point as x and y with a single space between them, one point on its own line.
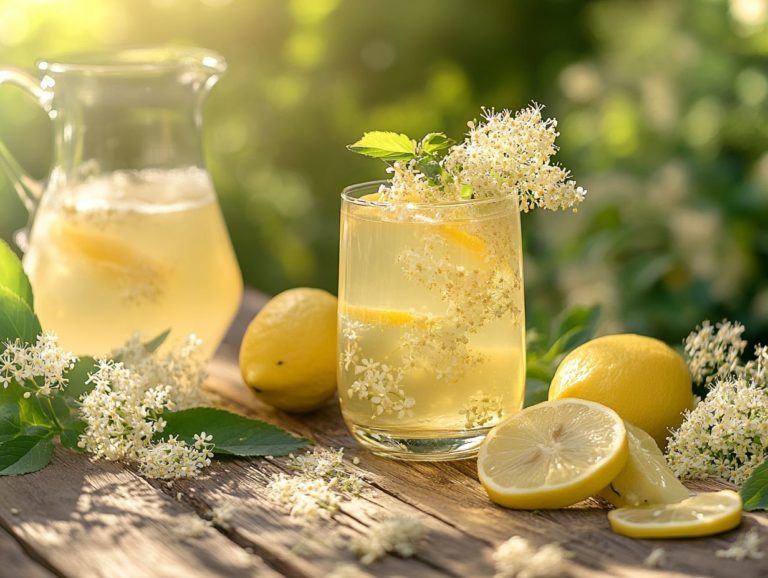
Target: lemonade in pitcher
126 234
133 250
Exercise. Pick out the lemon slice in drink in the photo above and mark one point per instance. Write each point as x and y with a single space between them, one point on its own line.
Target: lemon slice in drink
702 515
454 235
385 317
553 454
646 479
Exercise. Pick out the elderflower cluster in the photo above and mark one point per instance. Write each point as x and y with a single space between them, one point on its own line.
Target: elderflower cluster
317 487
43 360
517 558
505 153
399 534
725 434
123 411
183 366
746 546
714 352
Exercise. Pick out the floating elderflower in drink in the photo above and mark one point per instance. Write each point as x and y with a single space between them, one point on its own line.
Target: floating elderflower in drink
431 331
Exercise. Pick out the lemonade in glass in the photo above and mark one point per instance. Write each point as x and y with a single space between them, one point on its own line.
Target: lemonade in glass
431 344
431 335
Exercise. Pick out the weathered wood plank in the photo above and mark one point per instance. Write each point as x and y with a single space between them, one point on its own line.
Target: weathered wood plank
449 493
98 519
14 561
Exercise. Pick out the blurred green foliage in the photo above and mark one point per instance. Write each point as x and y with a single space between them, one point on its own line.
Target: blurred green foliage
663 109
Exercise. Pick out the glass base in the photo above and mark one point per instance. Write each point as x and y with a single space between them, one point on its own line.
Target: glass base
443 446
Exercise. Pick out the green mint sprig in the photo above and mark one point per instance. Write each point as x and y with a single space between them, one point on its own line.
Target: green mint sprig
30 424
426 155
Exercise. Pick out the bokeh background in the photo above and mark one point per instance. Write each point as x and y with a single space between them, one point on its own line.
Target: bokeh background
663 110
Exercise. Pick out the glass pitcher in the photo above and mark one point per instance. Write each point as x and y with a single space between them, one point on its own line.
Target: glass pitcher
126 234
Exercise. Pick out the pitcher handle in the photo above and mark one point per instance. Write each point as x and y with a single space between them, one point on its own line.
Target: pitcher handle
29 189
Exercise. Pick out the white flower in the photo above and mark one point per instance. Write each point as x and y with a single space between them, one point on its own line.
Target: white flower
656 558
714 352
317 488
747 546
503 154
222 516
43 360
724 436
517 558
123 411
399 534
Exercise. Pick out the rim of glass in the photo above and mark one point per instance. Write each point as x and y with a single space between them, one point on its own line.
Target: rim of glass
135 59
350 195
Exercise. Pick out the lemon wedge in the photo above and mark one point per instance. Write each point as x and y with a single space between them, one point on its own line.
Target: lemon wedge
646 479
553 454
702 515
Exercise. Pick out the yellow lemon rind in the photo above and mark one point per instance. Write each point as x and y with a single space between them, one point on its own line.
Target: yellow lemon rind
687 529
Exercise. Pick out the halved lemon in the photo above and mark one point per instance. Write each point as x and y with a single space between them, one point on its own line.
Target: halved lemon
702 515
646 479
553 454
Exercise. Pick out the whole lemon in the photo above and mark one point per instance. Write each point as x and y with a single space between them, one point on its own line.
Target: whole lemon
642 379
288 353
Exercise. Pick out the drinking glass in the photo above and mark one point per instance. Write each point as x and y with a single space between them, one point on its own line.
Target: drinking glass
431 339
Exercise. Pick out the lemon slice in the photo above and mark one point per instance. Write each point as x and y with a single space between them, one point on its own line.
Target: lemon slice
553 454
701 515
386 317
646 479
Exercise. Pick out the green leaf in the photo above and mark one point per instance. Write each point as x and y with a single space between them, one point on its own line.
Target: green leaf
17 320
10 421
152 345
12 275
389 146
71 433
754 492
78 376
466 191
232 434
435 142
24 454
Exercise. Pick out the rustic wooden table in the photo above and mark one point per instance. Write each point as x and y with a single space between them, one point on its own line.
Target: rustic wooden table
84 519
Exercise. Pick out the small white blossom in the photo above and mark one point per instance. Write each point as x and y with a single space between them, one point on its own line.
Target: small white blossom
123 411
222 516
317 487
656 558
724 436
27 364
400 535
505 153
191 526
183 367
714 351
517 558
746 546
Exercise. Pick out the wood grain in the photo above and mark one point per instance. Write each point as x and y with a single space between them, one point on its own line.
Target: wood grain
15 561
99 519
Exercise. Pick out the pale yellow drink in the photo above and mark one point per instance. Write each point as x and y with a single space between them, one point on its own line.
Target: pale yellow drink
143 251
431 331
